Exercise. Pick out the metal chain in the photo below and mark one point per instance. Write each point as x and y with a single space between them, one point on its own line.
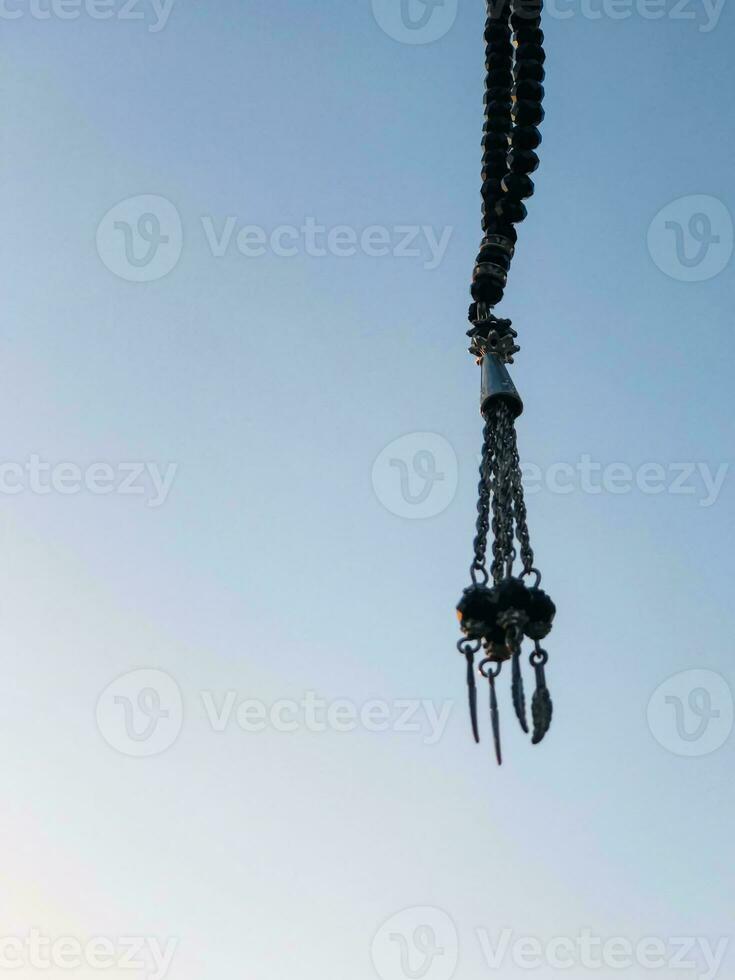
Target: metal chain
500 494
479 570
519 504
502 499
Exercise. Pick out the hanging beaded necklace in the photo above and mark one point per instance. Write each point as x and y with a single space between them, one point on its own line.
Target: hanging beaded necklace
501 609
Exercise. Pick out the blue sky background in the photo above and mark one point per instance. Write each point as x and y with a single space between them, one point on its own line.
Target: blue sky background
275 567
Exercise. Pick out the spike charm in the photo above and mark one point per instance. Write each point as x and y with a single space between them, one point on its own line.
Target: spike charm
469 649
491 674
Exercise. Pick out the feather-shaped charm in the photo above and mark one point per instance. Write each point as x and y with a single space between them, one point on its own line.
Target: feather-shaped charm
542 707
519 696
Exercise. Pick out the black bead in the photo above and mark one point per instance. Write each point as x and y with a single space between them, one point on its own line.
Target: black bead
526 113
492 175
530 52
518 186
541 614
528 35
505 245
511 593
518 23
496 105
491 189
529 70
494 61
494 226
494 141
525 138
522 161
497 32
494 255
489 270
528 90
509 210
476 612
498 124
499 78
495 156
500 49
487 291
496 164
499 13
525 11
490 165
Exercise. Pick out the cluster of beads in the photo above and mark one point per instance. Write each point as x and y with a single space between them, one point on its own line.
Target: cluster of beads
485 614
513 111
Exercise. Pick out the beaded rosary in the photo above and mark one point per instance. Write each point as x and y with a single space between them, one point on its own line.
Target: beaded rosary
496 617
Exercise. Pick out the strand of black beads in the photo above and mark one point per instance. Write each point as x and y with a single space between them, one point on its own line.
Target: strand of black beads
513 111
527 111
496 250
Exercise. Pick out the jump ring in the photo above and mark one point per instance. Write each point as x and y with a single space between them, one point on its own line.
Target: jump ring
485 668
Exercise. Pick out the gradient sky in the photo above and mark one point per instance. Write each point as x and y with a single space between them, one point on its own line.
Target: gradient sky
275 567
